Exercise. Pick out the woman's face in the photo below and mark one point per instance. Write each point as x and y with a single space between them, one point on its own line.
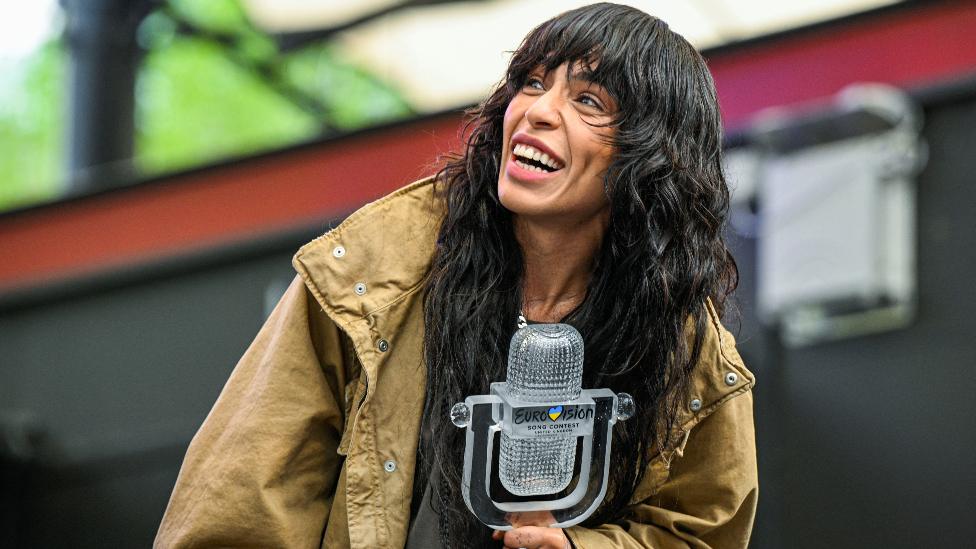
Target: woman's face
552 115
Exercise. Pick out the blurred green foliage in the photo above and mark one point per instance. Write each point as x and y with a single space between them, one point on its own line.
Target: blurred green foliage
210 87
32 125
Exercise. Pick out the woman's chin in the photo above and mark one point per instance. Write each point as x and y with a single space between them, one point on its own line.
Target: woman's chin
519 198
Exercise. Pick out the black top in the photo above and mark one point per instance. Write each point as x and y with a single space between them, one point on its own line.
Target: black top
423 533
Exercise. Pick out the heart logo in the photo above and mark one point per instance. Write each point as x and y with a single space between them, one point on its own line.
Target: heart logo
555 412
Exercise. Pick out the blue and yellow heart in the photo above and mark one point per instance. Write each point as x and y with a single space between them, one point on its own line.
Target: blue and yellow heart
555 412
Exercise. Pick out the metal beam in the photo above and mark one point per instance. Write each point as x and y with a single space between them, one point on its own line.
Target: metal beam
101 38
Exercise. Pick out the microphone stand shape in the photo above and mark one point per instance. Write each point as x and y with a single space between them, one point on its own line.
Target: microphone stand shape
593 414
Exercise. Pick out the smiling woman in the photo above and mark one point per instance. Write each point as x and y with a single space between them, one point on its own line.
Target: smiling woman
558 147
592 193
589 192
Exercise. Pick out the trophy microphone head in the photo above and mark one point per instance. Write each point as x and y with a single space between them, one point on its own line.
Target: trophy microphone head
545 365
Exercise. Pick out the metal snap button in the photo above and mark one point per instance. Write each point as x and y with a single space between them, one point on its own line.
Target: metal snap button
383 345
389 466
360 288
695 404
338 251
731 378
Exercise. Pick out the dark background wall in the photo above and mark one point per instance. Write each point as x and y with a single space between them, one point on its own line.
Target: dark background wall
869 442
117 382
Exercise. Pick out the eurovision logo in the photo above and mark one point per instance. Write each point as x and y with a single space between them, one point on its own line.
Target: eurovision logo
555 413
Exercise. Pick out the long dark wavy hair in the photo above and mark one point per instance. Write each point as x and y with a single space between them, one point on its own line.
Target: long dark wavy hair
662 256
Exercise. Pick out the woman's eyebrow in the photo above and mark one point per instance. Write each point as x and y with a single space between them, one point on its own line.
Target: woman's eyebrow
588 77
584 76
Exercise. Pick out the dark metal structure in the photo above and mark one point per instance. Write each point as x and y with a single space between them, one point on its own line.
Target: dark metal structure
101 38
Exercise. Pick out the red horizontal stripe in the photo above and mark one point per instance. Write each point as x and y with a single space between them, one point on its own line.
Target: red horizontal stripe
291 189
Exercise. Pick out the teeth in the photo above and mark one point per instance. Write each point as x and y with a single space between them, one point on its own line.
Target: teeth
528 151
529 167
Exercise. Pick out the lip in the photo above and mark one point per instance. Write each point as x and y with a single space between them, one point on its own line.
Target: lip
527 139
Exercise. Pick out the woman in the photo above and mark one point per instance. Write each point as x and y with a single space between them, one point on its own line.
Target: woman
590 192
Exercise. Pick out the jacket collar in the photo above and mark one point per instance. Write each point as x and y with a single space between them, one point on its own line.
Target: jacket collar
376 256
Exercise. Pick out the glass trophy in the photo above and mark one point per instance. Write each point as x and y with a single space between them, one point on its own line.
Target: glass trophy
539 422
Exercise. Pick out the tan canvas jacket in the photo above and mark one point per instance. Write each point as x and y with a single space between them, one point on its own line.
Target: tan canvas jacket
312 441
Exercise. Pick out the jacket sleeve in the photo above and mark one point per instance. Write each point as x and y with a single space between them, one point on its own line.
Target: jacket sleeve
709 499
262 469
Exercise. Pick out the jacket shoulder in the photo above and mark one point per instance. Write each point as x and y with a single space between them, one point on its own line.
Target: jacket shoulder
720 374
384 249
720 389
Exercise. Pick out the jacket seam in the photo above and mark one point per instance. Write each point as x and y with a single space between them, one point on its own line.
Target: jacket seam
399 298
711 408
316 293
716 323
374 476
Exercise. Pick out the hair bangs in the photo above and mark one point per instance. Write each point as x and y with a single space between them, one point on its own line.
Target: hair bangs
610 45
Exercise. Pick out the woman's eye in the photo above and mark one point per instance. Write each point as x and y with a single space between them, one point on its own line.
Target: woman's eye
534 82
588 100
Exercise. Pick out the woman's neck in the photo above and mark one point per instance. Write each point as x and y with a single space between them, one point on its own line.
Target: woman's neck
558 262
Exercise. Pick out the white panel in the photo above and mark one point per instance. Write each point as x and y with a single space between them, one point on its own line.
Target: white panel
452 55
836 251
298 15
820 214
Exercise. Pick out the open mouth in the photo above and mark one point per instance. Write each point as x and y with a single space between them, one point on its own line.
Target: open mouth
532 159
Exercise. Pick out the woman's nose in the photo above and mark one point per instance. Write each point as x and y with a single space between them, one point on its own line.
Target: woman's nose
544 112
